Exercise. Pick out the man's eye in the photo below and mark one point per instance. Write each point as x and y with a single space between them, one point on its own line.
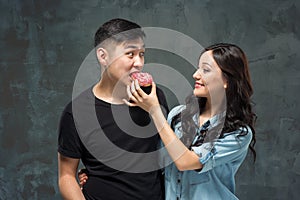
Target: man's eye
130 53
142 54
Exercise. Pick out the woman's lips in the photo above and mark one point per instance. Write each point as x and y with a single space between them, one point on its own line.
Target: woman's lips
199 85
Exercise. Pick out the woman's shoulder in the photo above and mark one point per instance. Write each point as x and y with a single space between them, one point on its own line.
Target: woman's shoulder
175 111
245 130
242 134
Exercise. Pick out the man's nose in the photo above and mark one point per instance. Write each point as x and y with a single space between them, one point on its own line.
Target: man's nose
139 62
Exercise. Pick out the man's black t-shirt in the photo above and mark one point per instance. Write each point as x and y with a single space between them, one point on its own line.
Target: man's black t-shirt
117 144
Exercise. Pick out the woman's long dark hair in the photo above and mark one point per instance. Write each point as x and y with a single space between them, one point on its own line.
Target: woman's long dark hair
234 66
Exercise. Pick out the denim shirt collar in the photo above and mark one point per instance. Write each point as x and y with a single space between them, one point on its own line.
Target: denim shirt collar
209 124
212 122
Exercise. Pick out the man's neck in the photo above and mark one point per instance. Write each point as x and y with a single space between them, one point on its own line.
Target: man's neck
109 92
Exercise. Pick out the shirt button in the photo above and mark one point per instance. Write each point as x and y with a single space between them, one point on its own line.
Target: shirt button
178 181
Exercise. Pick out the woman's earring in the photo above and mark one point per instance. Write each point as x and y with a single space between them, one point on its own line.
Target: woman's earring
225 86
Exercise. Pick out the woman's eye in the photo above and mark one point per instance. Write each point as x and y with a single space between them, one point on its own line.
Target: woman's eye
206 70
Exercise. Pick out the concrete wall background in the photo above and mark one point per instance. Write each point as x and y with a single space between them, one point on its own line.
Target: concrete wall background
43 43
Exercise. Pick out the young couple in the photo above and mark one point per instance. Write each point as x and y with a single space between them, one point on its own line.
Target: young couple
207 139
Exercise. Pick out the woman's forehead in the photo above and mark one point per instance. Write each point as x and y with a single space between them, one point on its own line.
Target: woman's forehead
207 57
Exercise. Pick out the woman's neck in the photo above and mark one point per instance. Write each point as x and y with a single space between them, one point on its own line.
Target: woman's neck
205 114
210 110
215 107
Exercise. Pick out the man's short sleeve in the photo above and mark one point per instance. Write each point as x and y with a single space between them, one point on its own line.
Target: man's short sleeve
69 143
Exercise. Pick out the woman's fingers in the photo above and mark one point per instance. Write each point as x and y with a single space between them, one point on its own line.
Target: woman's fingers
135 90
83 176
153 89
82 179
139 90
130 95
136 94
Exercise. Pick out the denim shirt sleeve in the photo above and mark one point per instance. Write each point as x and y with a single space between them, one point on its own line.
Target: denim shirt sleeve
176 110
224 150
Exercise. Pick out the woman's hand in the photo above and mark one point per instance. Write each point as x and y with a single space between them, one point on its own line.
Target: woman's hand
82 176
139 98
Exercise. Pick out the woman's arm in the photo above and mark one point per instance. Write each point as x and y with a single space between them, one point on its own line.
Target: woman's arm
183 158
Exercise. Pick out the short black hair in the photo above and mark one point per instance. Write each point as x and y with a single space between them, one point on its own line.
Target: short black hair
119 30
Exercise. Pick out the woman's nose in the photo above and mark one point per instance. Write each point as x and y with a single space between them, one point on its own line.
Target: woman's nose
197 74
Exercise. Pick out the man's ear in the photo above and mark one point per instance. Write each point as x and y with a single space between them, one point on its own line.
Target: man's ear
102 56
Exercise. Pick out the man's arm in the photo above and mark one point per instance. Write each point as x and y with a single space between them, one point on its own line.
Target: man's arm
68 185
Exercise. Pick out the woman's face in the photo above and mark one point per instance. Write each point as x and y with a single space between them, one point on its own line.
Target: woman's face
209 80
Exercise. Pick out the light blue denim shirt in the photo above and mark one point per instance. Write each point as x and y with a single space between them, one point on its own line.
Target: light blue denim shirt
216 179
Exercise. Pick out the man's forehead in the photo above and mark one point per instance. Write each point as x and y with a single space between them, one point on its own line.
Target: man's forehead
137 44
134 44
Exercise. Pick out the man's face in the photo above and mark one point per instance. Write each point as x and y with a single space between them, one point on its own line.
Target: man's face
124 59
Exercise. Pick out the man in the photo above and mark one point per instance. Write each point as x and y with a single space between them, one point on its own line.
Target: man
104 143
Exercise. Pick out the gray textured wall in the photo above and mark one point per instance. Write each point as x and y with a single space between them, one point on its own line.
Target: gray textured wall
43 43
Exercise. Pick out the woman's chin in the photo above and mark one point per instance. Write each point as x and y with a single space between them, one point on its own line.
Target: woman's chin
198 94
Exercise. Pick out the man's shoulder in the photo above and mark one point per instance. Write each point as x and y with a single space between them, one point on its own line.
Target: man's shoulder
162 99
82 97
159 92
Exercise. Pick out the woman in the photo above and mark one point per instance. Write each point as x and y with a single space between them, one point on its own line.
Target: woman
215 126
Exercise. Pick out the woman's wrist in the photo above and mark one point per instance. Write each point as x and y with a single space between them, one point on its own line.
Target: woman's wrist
154 109
158 117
